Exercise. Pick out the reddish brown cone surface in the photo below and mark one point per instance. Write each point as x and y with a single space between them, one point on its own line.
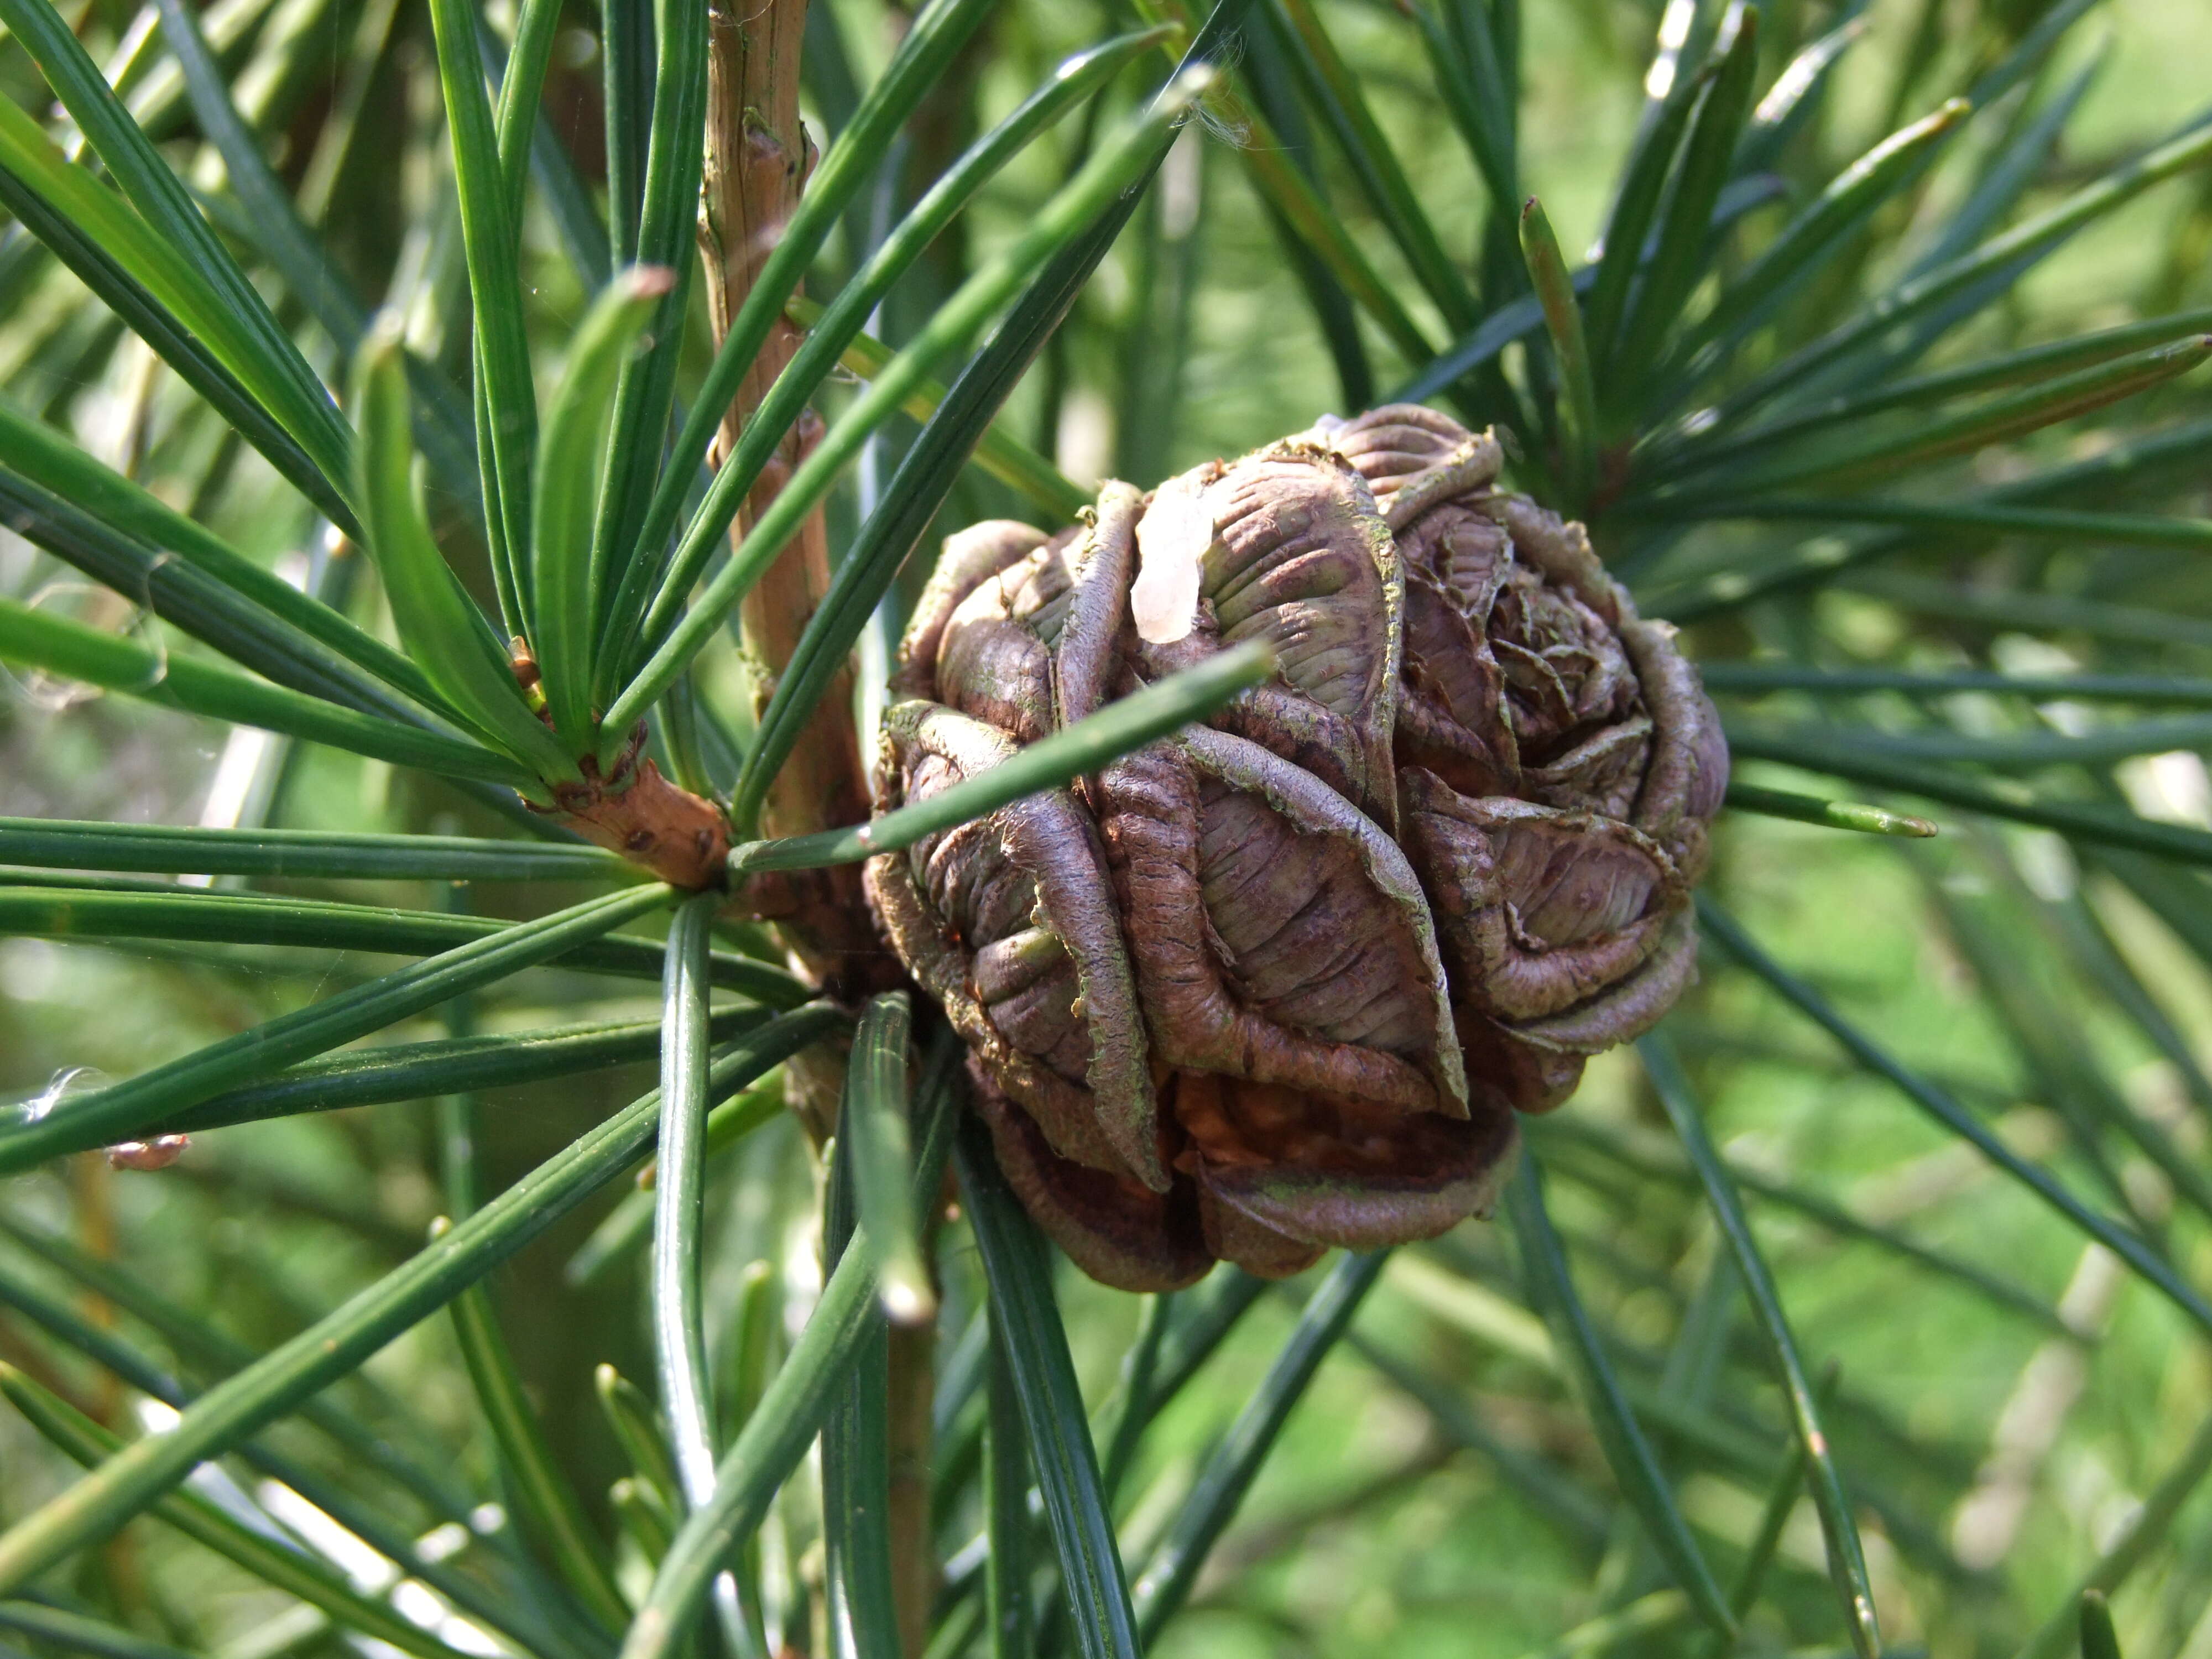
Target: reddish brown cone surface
1279 982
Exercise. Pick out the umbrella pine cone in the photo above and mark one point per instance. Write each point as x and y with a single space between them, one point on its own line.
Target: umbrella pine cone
1281 982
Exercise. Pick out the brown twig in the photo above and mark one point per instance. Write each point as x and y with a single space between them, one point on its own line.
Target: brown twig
757 159
629 808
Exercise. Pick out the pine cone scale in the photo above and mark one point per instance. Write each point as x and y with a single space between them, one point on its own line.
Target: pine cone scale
1281 982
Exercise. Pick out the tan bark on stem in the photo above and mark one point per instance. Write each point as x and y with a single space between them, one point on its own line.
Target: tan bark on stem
913 1391
630 809
757 159
636 812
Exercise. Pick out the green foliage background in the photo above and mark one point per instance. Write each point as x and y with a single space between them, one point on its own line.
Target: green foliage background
2007 1401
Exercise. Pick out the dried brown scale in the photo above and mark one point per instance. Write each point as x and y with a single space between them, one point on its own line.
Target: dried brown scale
1282 980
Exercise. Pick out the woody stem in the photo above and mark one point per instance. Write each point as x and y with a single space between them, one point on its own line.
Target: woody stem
757 158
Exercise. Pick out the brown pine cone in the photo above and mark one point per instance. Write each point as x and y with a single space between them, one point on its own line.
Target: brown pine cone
1280 981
